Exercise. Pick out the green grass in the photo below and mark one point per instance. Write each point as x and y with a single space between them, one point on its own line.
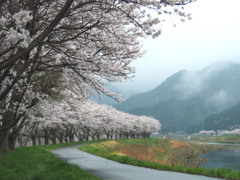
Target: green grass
37 163
104 152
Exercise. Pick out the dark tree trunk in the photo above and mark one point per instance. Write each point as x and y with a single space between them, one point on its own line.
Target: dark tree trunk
4 142
98 137
46 137
46 140
20 142
54 138
12 138
34 140
71 138
39 140
66 139
87 136
80 138
54 141
60 138
8 118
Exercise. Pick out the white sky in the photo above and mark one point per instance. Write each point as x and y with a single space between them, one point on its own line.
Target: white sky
212 35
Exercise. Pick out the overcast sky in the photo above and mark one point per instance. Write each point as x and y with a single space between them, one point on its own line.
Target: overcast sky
213 35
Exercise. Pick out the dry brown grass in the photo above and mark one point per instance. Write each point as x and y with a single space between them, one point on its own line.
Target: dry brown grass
138 152
178 144
166 152
106 145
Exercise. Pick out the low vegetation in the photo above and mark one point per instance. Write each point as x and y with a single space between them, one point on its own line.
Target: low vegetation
220 139
160 154
37 163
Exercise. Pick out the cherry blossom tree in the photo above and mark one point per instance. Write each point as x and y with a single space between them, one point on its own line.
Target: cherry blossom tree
88 41
232 132
72 118
211 132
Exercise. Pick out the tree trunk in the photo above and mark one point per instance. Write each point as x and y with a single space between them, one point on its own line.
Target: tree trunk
34 140
4 142
12 141
46 140
71 138
46 137
39 140
87 136
8 118
98 137
66 139
60 138
20 142
54 138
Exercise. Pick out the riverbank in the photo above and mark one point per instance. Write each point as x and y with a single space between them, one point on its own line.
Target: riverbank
111 170
159 154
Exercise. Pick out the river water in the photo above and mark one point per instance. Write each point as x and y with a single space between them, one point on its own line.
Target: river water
229 157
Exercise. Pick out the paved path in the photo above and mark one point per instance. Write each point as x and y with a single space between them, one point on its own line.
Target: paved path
111 170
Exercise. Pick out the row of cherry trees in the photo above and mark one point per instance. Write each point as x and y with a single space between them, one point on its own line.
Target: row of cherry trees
226 132
73 119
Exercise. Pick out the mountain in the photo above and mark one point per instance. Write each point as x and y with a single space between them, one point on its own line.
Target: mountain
160 93
186 98
228 119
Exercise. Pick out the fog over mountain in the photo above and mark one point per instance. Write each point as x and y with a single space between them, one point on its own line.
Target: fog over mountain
187 97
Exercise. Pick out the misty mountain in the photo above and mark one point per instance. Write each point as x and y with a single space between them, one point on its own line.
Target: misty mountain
228 119
186 98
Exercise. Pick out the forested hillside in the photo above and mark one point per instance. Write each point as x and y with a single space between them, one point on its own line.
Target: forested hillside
228 119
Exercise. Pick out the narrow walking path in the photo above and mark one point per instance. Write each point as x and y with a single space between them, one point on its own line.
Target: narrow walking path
111 170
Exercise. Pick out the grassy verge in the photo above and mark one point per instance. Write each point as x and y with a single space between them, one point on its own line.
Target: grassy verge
37 163
113 150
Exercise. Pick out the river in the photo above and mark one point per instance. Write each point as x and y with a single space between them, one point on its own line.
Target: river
229 157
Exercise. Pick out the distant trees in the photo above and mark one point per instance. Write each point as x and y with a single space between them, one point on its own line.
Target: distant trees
87 41
232 132
226 132
71 119
203 132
